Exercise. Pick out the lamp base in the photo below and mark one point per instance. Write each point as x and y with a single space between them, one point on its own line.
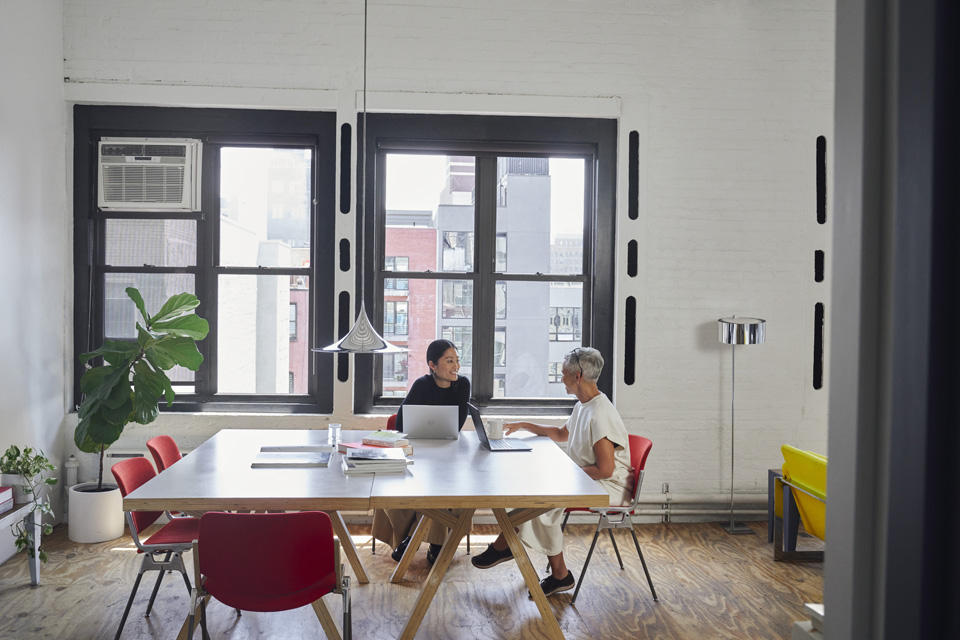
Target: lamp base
737 529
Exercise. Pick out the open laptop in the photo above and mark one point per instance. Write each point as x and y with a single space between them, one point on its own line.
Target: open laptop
431 421
494 445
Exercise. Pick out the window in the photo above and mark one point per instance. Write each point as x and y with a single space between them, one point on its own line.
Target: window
555 372
565 324
267 205
396 263
485 269
395 318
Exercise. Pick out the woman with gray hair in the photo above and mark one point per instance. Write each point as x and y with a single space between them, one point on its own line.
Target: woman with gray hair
597 442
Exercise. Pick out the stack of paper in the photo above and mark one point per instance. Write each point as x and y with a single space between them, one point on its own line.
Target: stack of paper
344 447
387 439
290 459
387 460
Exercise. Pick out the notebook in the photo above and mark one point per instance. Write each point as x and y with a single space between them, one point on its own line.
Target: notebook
493 445
429 421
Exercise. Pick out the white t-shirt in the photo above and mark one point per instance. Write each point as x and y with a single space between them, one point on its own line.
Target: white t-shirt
591 421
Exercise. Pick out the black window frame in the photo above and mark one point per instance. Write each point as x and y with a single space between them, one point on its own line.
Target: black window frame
594 138
216 128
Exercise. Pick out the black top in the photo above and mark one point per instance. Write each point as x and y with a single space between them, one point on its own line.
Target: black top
426 391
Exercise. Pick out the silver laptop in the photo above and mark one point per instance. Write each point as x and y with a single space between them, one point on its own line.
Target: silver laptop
430 421
493 445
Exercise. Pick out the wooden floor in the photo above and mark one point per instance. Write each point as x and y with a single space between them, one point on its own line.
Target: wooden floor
710 585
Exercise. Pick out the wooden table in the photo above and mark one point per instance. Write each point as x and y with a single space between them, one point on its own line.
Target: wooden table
462 476
456 475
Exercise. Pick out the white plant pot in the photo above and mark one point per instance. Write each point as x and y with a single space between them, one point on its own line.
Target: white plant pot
16 481
95 516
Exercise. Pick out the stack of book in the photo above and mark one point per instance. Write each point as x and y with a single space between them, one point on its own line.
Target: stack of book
386 439
382 460
344 447
292 456
6 499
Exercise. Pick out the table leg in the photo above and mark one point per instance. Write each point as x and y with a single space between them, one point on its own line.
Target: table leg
416 539
436 574
346 543
34 523
529 573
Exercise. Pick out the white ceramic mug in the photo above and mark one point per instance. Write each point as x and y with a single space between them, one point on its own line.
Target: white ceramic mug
494 428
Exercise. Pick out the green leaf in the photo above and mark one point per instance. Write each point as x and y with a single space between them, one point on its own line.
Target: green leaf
119 415
93 432
118 395
114 352
138 300
89 405
143 336
192 326
177 305
169 351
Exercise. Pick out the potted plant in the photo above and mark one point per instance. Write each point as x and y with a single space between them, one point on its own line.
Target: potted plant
26 471
127 388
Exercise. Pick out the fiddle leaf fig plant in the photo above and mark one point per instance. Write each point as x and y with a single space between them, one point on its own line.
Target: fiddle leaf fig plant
129 385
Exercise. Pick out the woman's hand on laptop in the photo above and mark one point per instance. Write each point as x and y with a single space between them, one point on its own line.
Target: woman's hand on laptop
513 427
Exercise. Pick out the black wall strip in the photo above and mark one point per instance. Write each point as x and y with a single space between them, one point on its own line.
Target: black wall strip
633 176
818 265
818 346
821 180
345 166
630 341
343 326
632 258
344 255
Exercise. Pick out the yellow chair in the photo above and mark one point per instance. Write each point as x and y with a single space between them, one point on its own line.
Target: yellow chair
799 495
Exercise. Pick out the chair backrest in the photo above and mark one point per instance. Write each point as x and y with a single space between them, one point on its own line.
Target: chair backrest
267 561
130 474
392 423
808 471
639 450
164 451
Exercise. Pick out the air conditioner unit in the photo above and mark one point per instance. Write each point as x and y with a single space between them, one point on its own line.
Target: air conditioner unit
149 174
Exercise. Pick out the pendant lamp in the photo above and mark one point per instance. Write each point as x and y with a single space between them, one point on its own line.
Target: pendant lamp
362 338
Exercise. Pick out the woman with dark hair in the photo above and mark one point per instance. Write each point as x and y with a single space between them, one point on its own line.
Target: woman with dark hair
442 386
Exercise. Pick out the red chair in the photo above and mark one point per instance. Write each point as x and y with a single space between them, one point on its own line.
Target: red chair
163 550
619 517
392 423
269 562
164 451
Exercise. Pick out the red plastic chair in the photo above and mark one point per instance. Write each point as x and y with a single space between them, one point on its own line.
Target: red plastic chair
163 550
164 451
269 562
392 423
619 517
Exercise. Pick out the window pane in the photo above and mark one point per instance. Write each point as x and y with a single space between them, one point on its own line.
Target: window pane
528 343
540 211
429 212
462 337
264 207
158 243
256 354
457 299
395 374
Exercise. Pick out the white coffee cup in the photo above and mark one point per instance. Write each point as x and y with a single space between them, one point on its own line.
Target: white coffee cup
494 428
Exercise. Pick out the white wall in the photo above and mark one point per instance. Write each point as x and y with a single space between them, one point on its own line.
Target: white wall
728 98
35 249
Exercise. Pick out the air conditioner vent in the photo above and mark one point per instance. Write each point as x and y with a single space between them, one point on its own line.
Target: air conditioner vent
149 174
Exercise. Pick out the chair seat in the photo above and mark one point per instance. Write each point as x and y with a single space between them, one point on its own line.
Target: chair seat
267 603
179 532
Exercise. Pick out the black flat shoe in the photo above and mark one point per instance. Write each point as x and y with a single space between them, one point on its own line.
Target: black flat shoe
397 554
433 552
491 557
551 585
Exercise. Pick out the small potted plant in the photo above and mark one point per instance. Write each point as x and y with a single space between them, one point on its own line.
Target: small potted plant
127 388
26 470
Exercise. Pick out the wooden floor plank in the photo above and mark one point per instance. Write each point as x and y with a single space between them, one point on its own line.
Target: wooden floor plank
711 585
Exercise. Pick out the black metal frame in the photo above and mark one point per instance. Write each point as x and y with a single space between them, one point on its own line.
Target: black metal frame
486 137
216 128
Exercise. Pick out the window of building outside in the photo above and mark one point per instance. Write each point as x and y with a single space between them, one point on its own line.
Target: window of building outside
555 373
247 253
514 283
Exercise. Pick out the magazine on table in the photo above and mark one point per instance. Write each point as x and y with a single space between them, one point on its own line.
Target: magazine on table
290 459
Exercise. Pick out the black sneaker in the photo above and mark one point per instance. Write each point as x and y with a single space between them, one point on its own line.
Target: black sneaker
551 585
491 557
397 554
433 552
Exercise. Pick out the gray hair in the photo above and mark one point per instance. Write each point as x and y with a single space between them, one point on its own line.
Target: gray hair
587 360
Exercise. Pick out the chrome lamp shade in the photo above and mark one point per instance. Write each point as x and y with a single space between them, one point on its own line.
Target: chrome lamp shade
734 331
362 338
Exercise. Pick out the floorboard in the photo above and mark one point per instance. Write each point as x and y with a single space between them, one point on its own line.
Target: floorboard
710 585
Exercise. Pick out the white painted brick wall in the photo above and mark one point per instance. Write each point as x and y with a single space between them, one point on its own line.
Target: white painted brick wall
728 97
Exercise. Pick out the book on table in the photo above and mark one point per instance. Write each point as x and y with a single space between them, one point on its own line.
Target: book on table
291 459
351 467
387 439
295 448
380 454
344 447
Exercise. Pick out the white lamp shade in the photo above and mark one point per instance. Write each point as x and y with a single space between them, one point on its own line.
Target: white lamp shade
741 330
362 338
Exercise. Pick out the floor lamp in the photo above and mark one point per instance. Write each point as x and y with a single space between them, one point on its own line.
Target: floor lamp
734 331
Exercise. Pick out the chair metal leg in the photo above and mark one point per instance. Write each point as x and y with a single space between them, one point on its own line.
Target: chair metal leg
583 571
615 548
153 596
126 611
203 619
563 525
468 543
347 611
644 563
